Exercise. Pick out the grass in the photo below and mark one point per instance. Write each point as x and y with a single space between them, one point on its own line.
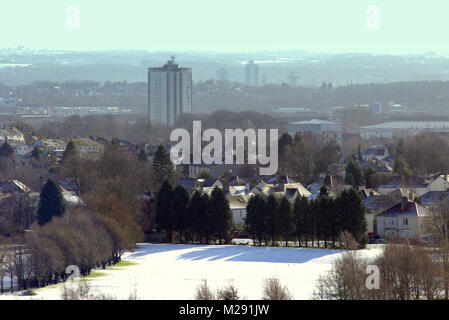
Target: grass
94 274
122 264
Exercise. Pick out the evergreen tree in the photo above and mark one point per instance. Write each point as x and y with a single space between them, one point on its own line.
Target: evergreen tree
285 141
219 206
272 221
352 214
359 152
285 219
312 215
178 208
256 217
70 151
193 219
206 218
163 208
401 167
353 174
162 167
300 208
36 154
51 203
368 177
6 151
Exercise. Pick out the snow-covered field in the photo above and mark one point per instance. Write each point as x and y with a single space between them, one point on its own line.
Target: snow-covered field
172 272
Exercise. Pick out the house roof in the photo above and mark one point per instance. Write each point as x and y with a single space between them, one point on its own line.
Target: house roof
236 181
404 182
412 209
237 202
210 182
84 142
374 151
434 197
189 184
13 186
380 202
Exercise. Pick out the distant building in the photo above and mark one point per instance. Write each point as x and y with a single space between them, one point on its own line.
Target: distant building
169 92
399 129
7 102
292 79
86 111
222 75
88 148
252 74
329 130
386 107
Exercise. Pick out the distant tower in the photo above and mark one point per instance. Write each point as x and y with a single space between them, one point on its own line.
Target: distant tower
222 75
252 74
169 92
292 79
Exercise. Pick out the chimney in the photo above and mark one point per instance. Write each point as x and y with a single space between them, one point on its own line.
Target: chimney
404 202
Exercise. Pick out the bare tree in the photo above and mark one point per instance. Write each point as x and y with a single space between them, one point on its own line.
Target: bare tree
273 290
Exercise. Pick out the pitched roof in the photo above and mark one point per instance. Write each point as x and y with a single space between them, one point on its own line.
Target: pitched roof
434 197
189 184
380 202
404 182
13 186
412 209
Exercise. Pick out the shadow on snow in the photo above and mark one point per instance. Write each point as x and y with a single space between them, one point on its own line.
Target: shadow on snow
236 253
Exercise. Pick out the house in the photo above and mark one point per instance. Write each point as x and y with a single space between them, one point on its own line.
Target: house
88 148
375 204
55 147
378 152
208 185
12 134
237 204
20 148
376 165
414 184
407 219
13 186
439 183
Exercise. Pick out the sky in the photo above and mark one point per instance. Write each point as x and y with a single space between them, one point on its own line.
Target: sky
331 26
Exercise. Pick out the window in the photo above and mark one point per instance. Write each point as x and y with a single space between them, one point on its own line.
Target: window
405 221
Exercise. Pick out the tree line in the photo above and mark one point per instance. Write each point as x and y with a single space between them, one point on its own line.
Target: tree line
270 219
198 218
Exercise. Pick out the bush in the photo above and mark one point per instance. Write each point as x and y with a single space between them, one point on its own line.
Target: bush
273 290
347 241
203 292
229 292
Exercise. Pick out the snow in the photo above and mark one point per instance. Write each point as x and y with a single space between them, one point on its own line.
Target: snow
172 272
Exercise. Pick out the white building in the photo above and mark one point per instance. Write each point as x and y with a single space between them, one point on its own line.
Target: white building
12 134
402 129
329 130
252 74
169 92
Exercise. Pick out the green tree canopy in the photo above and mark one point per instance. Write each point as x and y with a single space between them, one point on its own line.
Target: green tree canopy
51 203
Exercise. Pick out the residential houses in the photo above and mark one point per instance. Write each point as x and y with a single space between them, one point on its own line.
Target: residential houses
407 219
11 134
88 148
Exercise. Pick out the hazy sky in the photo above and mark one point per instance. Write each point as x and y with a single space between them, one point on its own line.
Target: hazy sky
391 26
